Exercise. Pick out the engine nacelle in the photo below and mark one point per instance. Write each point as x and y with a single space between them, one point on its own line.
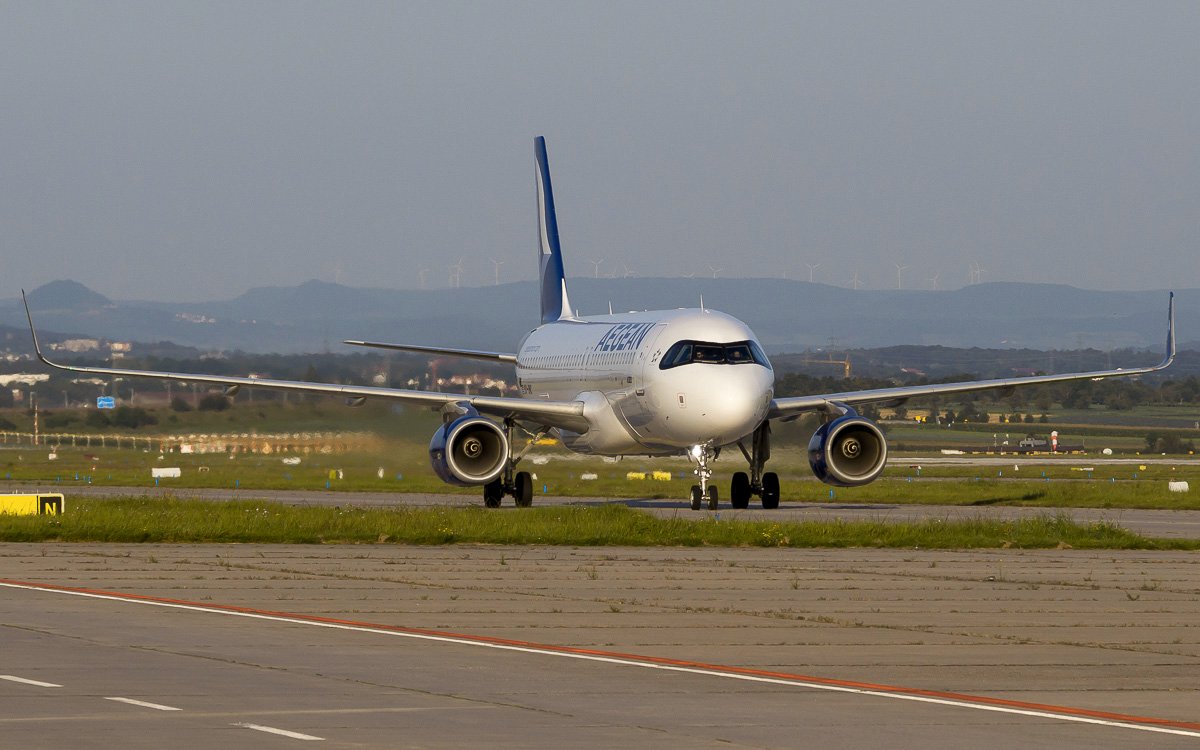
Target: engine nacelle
847 451
468 451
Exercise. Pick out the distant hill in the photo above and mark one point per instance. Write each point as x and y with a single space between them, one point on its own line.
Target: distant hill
788 316
66 295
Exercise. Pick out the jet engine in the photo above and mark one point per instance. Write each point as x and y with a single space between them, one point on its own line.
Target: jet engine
847 451
468 451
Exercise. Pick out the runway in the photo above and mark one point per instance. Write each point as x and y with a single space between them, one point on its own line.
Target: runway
471 645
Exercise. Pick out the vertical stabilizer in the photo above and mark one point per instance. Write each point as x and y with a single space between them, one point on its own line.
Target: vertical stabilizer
555 305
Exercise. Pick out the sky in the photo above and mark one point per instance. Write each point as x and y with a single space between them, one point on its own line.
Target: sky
192 151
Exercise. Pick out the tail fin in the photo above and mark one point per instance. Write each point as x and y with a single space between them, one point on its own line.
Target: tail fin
555 305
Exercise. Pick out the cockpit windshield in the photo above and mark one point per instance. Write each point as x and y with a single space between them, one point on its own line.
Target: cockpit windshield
735 353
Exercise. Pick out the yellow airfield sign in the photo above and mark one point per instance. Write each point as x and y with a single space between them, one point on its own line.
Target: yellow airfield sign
33 505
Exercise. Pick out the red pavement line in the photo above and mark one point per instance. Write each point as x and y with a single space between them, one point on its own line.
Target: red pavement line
978 700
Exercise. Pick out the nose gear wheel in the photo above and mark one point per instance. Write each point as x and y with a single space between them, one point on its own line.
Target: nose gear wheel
703 493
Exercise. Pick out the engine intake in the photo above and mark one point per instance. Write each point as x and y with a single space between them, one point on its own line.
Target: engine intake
468 451
848 451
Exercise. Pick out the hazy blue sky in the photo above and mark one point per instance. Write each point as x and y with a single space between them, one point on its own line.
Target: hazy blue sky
193 150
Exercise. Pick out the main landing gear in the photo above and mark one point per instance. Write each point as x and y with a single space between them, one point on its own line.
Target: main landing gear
702 454
517 484
757 482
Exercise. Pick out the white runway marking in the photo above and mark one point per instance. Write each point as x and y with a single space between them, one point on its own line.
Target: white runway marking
280 732
25 681
978 703
143 704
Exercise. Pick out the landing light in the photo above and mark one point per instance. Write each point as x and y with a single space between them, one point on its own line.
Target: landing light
697 451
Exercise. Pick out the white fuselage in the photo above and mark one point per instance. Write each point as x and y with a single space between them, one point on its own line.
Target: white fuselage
633 404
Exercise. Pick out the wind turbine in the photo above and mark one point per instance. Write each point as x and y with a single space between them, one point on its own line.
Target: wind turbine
456 274
899 268
812 267
496 268
936 276
421 275
854 280
715 270
596 268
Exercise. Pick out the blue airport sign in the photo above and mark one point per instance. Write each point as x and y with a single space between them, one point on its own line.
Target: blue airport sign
106 402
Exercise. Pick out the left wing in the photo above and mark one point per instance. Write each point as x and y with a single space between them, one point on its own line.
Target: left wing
784 408
565 414
438 351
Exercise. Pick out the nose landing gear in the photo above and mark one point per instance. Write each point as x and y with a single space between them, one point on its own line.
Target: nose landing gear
702 454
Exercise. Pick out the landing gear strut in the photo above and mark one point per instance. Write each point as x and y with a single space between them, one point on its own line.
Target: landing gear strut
757 482
517 484
702 454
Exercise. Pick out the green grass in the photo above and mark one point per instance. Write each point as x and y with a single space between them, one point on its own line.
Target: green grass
406 470
396 448
184 521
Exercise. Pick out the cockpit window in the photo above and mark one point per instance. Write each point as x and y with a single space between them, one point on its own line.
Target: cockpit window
735 353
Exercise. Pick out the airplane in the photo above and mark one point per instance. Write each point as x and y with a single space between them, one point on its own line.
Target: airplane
653 383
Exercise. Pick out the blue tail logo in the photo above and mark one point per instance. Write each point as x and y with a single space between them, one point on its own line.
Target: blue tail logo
555 305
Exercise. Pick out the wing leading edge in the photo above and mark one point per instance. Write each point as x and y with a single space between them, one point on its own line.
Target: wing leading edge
438 351
565 414
783 408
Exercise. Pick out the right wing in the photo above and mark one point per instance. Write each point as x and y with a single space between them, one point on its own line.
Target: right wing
438 351
792 407
567 415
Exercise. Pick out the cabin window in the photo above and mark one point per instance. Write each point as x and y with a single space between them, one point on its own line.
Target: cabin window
734 353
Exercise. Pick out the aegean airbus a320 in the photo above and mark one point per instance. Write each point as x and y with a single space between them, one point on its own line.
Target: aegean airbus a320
656 383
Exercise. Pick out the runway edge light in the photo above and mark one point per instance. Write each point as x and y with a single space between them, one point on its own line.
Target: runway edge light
48 504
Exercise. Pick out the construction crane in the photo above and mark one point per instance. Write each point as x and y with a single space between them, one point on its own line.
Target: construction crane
844 363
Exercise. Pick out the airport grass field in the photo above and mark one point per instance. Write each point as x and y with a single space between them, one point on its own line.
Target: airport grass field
389 455
169 520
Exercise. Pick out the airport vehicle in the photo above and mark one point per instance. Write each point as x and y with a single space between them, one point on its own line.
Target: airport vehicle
656 383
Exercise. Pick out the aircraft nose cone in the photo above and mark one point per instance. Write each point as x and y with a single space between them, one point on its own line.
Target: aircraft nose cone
725 404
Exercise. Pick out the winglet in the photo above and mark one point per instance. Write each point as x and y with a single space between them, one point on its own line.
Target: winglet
555 305
1170 330
37 348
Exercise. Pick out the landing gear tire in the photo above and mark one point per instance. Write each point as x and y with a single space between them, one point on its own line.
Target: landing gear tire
493 493
739 490
696 497
523 491
712 497
770 491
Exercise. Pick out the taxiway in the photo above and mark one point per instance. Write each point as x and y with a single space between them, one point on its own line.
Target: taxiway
386 646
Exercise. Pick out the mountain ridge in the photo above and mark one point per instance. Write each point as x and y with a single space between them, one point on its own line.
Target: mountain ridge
788 316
